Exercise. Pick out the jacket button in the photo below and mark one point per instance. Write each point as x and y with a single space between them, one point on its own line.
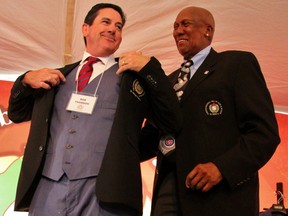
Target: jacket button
72 131
157 172
41 148
74 116
69 146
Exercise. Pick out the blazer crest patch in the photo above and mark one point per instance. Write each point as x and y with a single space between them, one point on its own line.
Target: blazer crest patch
137 89
213 108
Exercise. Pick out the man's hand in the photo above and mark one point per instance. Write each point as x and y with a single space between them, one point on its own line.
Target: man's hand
203 177
43 78
132 61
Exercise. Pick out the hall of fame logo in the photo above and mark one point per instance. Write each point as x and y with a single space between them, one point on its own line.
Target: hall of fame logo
213 108
137 89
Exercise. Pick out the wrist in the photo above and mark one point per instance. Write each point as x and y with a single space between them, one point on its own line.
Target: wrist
23 80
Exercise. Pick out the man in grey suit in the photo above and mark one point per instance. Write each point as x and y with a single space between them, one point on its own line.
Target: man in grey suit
85 137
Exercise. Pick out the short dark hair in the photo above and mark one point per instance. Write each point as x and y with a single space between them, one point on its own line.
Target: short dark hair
95 10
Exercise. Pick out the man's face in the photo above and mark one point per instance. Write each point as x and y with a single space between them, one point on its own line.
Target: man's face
189 33
104 36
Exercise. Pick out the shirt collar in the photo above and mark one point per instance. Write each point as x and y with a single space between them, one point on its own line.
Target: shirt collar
200 57
105 60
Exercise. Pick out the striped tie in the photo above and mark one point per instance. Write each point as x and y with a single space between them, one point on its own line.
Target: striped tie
183 78
85 73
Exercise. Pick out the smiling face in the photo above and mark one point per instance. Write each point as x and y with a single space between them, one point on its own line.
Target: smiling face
104 36
193 31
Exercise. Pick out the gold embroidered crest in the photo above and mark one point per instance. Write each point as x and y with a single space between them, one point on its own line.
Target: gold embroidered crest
213 107
137 88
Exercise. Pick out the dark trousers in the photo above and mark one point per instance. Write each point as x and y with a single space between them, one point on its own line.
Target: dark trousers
165 200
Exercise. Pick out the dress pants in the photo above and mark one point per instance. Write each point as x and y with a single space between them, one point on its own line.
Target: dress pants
71 198
166 201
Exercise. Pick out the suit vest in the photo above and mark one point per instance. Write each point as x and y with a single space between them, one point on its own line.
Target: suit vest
77 141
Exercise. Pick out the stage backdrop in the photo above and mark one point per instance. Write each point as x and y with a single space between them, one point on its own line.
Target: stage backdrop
12 143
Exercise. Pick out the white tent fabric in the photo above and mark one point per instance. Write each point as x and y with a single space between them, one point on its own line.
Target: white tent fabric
33 34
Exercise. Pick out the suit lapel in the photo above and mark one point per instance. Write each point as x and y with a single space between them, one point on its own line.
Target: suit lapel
68 68
204 71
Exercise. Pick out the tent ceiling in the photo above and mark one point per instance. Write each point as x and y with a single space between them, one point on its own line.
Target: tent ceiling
35 34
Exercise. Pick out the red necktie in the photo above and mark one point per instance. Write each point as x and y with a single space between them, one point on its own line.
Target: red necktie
85 73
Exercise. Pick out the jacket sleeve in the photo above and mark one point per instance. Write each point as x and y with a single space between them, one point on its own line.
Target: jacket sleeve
258 138
149 141
22 98
165 108
21 101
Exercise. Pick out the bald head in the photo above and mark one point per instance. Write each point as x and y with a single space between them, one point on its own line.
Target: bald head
200 15
193 30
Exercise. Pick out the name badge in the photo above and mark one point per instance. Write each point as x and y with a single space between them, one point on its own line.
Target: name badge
81 103
167 144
